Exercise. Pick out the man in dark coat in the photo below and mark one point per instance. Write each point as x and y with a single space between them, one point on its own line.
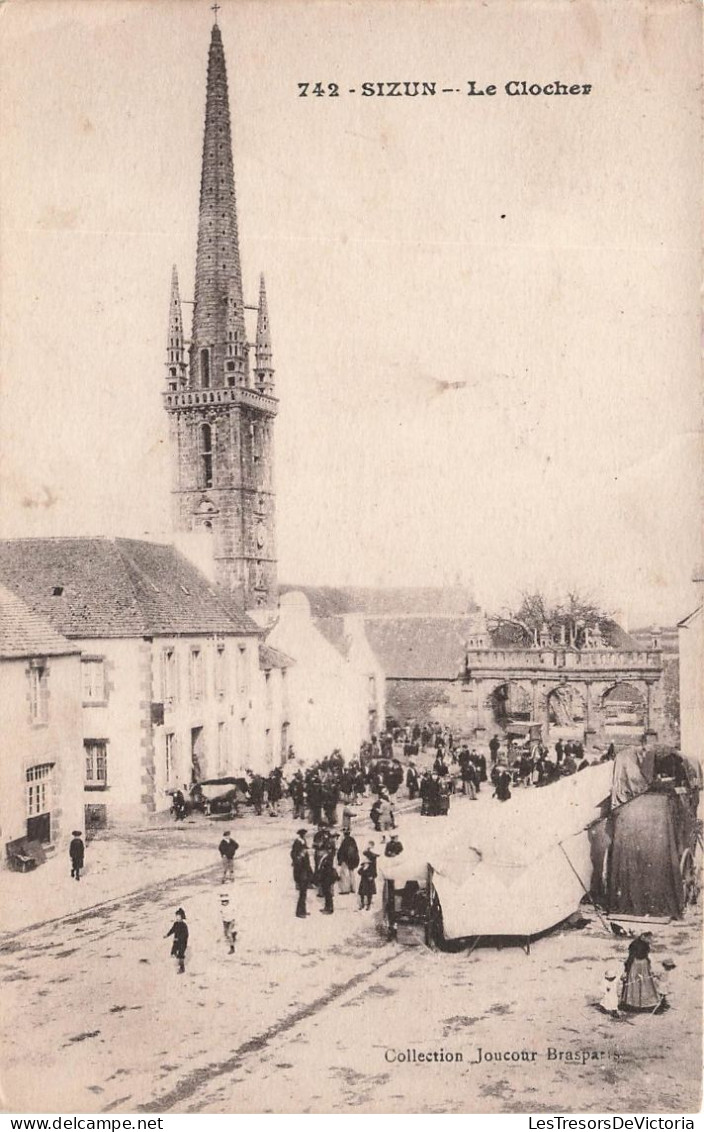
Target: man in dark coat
494 748
178 804
76 852
480 763
327 876
256 793
439 766
321 843
412 782
298 796
393 846
274 792
470 780
315 799
330 800
302 871
502 790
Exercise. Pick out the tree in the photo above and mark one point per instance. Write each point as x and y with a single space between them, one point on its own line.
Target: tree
575 621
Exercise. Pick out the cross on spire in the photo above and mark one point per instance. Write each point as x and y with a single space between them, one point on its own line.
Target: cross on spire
215 9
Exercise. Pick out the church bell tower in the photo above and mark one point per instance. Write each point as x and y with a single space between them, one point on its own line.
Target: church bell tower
221 408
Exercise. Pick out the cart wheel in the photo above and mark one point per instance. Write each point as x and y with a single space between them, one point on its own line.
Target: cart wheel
690 877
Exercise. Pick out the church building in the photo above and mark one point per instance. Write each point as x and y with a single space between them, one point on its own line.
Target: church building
219 392
221 403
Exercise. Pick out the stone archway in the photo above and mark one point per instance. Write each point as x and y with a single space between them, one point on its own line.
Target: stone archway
624 710
510 702
566 711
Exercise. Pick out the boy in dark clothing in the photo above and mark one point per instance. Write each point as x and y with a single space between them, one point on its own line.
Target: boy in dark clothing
76 852
179 930
227 849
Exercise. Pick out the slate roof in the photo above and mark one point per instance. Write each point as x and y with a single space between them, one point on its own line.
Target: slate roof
24 633
273 658
99 587
333 601
420 648
333 629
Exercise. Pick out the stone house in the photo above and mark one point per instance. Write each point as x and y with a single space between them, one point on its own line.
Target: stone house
172 684
336 687
41 781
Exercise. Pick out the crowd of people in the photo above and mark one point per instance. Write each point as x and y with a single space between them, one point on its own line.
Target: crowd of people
325 863
333 861
437 765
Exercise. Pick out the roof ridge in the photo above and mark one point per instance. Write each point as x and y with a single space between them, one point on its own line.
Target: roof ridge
137 605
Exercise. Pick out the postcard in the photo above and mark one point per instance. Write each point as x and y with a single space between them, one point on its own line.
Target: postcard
351 622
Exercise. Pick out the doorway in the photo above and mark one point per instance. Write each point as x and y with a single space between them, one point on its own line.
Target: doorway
197 754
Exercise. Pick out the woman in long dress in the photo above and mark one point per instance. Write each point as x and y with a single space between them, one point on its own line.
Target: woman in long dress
639 990
348 860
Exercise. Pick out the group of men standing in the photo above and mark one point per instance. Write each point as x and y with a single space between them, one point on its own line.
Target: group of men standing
321 869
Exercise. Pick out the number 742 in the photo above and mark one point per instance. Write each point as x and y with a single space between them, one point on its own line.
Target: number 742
332 90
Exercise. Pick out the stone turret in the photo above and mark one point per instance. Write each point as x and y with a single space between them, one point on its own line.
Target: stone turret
263 373
175 344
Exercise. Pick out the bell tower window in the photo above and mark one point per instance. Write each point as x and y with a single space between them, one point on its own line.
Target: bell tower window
205 369
206 455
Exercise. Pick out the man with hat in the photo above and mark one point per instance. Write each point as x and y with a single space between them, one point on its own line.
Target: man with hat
76 852
227 914
227 848
302 871
328 875
393 846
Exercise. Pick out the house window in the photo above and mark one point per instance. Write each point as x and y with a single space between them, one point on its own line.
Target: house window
206 455
241 669
168 675
220 670
268 698
38 692
39 789
93 675
169 756
196 674
222 748
96 753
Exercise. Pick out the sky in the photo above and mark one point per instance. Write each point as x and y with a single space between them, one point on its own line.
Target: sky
484 310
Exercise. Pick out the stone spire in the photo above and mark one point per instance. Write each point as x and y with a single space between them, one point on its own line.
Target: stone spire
219 305
220 419
264 373
175 347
